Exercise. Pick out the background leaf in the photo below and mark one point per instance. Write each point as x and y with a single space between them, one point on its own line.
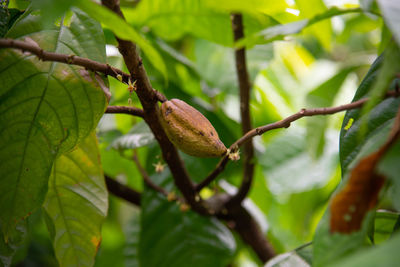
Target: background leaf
277 32
322 96
46 109
139 136
76 204
123 30
131 250
170 237
390 10
173 19
382 255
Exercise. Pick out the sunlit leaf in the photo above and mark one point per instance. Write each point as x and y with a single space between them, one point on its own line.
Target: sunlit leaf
46 109
321 30
279 31
123 30
76 204
173 19
267 7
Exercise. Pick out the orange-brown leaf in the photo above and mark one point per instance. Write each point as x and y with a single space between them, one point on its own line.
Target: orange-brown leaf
360 194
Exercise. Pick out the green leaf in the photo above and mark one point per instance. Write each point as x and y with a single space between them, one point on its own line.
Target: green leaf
293 160
249 6
384 225
76 204
291 179
132 234
390 11
46 109
170 237
330 247
52 9
123 30
322 30
322 96
390 168
279 31
388 71
173 19
378 119
140 135
7 18
386 254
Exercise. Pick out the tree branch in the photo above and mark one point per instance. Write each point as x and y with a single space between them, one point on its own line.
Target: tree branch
122 191
244 86
148 97
89 64
125 110
284 123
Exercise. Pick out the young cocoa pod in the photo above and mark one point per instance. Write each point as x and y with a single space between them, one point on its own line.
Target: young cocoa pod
189 130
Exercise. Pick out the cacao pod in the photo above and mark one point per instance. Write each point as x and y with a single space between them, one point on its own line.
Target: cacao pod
189 130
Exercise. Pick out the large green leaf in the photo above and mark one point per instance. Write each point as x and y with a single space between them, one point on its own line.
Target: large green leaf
173 19
76 204
123 30
322 96
170 237
46 109
390 10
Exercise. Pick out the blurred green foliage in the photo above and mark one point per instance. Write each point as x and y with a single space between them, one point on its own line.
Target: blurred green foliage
300 54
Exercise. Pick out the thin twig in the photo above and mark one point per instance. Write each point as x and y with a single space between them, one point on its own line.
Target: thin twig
32 47
284 123
244 88
146 177
125 110
89 64
122 191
